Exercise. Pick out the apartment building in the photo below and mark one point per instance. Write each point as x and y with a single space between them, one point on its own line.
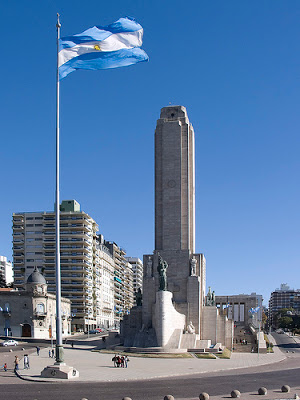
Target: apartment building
119 279
81 266
128 288
284 297
137 270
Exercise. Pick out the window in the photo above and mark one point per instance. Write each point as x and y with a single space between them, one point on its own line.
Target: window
40 308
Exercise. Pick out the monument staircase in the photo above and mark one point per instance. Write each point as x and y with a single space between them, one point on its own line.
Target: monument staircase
241 333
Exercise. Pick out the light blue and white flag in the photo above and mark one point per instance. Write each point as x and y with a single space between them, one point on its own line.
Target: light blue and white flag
111 46
254 310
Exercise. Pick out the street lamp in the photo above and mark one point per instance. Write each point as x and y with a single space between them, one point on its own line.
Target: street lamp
51 315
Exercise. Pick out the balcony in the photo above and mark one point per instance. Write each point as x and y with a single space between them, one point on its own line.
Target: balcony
39 315
18 227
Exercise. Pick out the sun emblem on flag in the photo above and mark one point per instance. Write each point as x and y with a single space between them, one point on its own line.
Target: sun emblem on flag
97 47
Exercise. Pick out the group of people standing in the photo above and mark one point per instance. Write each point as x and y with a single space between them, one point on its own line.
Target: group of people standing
120 361
51 353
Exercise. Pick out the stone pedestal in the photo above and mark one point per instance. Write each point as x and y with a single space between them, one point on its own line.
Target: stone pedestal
59 371
166 318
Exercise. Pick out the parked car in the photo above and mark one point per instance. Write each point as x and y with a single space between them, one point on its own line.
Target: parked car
10 342
94 331
99 330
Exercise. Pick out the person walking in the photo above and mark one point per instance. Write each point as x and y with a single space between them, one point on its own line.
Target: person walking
26 361
16 362
37 350
49 353
126 359
5 367
52 351
114 359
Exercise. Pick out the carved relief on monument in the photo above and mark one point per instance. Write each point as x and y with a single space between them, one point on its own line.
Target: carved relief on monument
149 267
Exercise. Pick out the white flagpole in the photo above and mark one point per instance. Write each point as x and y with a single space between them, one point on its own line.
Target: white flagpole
59 347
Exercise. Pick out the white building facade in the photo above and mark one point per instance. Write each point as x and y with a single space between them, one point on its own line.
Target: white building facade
6 270
104 286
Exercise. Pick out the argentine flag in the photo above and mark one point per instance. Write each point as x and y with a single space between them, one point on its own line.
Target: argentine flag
254 310
112 46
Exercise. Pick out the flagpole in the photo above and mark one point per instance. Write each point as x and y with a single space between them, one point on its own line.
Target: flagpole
58 348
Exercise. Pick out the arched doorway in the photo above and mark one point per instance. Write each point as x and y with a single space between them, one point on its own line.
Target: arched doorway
26 330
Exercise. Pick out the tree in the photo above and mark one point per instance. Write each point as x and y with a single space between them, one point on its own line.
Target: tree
285 322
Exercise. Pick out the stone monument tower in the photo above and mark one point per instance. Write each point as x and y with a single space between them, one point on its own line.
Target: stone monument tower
172 313
175 222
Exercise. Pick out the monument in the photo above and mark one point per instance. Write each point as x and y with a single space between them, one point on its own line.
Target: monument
174 275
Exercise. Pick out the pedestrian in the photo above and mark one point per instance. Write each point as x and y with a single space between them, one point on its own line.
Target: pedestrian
5 367
126 359
114 359
52 352
16 362
72 344
26 361
122 361
49 353
37 350
119 361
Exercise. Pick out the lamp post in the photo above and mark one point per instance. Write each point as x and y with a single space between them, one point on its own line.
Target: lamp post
51 315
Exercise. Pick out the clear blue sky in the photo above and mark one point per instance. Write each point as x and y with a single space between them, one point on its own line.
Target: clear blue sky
233 64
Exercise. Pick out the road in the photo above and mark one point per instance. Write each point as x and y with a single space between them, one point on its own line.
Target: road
272 376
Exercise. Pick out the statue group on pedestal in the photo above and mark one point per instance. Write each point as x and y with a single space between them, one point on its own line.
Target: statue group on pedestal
210 298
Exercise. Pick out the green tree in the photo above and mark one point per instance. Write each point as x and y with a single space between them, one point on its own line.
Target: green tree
285 322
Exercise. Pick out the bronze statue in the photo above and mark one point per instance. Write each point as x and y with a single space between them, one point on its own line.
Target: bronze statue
162 270
138 297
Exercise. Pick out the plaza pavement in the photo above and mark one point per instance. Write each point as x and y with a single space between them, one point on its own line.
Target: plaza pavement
98 367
